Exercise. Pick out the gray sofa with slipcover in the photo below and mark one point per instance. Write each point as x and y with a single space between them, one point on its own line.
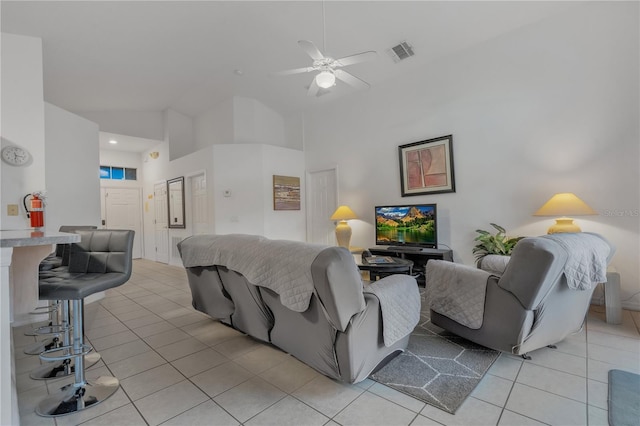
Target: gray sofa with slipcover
307 300
541 297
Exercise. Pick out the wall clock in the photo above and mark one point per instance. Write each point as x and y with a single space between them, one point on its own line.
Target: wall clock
15 156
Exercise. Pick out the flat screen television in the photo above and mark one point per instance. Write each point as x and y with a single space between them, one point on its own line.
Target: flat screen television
414 225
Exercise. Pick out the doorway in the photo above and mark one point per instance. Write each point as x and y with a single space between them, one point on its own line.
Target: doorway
199 201
122 210
322 201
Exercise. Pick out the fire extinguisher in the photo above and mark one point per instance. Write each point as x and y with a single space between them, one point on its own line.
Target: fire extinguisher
36 212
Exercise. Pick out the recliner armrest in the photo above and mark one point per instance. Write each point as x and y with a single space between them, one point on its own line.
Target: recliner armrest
494 263
439 270
457 291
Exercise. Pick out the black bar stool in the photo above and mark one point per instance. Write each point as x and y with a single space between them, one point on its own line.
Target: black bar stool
100 261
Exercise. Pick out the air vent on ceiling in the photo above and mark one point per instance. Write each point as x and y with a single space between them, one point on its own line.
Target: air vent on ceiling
401 52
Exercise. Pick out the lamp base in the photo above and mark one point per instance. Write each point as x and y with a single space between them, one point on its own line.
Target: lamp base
563 224
343 234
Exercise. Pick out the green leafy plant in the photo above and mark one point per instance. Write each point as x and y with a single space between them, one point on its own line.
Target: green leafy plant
494 244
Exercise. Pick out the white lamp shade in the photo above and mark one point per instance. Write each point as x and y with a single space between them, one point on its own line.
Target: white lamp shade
325 79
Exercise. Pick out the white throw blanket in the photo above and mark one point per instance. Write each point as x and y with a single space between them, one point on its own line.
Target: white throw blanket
586 265
400 305
281 266
457 291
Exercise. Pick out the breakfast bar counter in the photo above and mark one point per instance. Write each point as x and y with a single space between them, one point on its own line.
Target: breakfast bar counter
21 253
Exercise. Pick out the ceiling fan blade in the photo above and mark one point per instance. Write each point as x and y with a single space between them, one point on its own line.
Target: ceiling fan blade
354 59
313 88
311 49
293 71
351 79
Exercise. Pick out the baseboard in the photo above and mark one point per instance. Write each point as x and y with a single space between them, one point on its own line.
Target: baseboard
630 305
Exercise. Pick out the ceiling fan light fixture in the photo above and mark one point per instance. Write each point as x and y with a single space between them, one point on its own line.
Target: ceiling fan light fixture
325 79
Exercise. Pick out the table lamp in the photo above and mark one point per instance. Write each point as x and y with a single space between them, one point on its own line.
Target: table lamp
564 204
343 230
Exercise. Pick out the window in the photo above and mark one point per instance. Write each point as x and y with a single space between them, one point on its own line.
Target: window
118 173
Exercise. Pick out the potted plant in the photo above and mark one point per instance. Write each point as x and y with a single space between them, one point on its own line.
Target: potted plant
498 244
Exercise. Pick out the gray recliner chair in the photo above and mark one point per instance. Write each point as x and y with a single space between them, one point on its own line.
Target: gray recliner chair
541 298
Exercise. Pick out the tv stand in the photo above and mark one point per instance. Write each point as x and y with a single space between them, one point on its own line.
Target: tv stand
420 256
406 248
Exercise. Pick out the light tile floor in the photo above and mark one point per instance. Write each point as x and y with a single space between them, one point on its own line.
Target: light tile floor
178 367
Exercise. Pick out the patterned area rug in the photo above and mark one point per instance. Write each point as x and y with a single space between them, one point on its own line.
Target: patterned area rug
437 367
624 398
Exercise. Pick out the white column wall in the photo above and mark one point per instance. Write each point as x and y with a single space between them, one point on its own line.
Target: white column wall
22 122
72 161
238 169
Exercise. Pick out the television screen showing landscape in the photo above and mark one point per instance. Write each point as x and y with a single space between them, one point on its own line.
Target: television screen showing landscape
412 225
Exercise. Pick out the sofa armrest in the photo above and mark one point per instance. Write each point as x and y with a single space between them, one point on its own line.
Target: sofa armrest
360 348
399 303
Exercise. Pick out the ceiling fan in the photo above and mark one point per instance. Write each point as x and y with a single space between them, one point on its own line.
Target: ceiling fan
329 69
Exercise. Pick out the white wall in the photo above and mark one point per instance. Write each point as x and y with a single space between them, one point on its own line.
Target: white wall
245 120
238 169
550 108
294 131
71 169
214 126
283 224
179 133
142 124
22 123
254 122
246 171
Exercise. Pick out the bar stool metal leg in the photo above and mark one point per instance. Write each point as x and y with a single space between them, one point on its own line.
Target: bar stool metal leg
53 310
54 329
64 367
83 393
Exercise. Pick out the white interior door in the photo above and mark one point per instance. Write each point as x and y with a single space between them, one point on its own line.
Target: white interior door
161 233
123 211
200 219
322 201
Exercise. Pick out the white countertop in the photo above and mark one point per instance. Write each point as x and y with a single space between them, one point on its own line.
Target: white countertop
29 237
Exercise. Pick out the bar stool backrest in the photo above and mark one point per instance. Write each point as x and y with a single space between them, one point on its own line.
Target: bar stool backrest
102 251
63 250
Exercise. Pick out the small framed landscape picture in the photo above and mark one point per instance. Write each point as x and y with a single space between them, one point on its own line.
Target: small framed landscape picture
286 193
426 167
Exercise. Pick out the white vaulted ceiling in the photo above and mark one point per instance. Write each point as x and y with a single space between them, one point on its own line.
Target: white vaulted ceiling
154 55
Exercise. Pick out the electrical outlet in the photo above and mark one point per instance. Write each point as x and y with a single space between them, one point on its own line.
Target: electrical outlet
12 210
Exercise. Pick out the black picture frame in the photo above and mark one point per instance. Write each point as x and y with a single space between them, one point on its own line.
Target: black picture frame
175 203
426 167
